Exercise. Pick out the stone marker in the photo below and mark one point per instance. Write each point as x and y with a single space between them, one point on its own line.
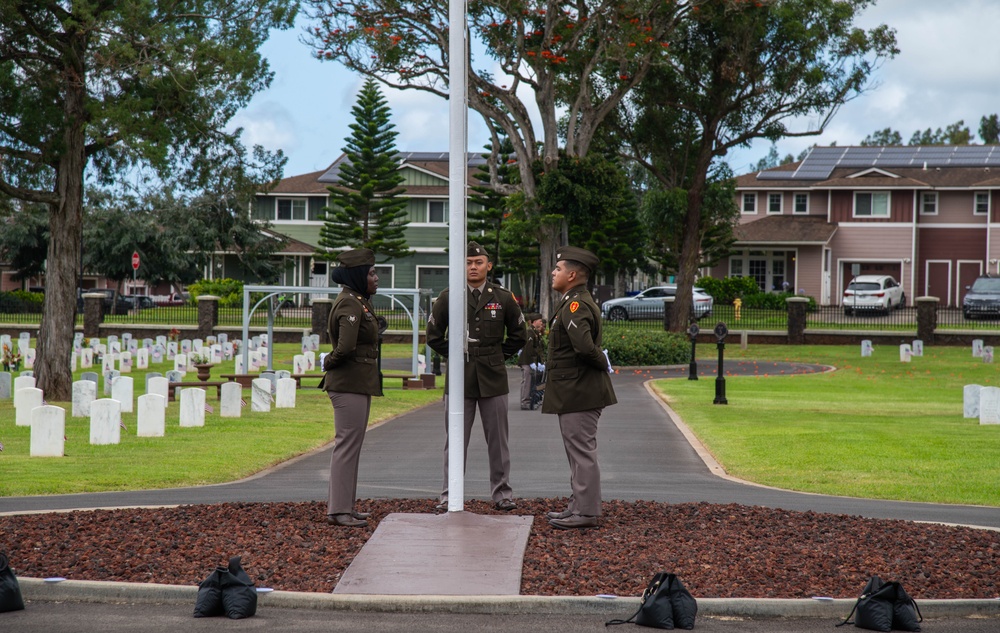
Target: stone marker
229 402
162 341
284 396
48 431
22 382
108 362
227 351
73 356
142 358
86 358
6 385
193 407
298 364
185 347
84 393
866 348
310 360
970 401
150 376
160 386
260 395
977 347
239 364
988 354
109 379
114 347
105 421
125 363
282 373
180 362
904 353
270 375
151 415
918 347
29 358
222 338
989 405
25 400
171 350
92 376
122 389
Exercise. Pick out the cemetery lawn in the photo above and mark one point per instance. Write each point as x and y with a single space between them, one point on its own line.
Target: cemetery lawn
875 428
225 449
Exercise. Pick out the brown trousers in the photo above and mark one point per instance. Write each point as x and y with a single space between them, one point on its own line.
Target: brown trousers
579 433
525 387
493 411
350 415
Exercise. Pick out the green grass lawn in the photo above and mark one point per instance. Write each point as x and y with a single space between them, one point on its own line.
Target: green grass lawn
875 428
223 450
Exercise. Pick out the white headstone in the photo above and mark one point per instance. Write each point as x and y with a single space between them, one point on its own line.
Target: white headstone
162 340
193 407
185 347
229 401
125 363
239 364
222 338
25 400
216 351
904 353
298 364
284 397
314 342
86 358
918 347
227 351
156 356
977 347
159 386
29 358
260 395
970 401
988 354
6 385
197 344
255 361
84 393
122 390
180 362
142 358
866 348
108 362
114 347
989 405
22 382
151 415
109 379
133 347
48 431
73 359
147 343
310 360
171 350
105 421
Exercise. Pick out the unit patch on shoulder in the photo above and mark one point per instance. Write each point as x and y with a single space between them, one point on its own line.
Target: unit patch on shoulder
573 307
352 318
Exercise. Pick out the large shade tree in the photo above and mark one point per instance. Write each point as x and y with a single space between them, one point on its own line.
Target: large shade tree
768 69
93 89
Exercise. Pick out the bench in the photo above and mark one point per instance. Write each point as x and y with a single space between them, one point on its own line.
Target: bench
202 385
247 379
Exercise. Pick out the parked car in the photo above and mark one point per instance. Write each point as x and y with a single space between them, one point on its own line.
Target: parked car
982 298
648 304
111 298
140 301
873 292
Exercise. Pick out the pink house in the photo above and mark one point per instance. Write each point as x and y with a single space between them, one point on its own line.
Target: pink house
927 215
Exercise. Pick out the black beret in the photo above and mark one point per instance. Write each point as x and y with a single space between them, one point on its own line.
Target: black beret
533 316
476 249
357 257
577 254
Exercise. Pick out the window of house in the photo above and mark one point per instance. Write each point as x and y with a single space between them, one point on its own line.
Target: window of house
871 205
735 267
291 209
774 203
982 203
928 203
749 203
437 211
801 203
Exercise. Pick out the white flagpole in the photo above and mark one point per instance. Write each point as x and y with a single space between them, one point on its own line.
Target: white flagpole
457 314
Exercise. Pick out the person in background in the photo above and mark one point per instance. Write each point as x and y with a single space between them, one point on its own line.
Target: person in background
532 354
577 384
351 379
496 333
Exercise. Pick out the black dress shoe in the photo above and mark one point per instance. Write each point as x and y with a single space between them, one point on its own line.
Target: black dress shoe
360 515
442 506
573 522
505 504
565 514
345 520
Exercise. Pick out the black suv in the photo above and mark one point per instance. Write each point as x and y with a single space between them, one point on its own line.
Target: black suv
982 298
120 303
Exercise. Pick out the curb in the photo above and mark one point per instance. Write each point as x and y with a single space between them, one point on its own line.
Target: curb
36 589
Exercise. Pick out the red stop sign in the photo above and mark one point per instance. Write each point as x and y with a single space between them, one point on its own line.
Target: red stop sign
135 261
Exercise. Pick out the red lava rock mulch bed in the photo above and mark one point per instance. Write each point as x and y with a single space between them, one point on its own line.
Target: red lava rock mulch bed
718 550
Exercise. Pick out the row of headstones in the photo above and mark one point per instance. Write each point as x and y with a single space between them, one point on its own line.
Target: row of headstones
907 351
981 402
48 423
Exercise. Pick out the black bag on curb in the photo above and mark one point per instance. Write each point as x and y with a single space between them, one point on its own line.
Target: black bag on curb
227 591
666 604
884 606
10 591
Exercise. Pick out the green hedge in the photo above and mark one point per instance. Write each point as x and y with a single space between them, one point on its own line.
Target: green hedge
631 348
21 301
775 301
229 291
724 290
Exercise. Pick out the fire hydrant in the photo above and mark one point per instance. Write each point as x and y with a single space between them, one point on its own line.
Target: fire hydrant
737 304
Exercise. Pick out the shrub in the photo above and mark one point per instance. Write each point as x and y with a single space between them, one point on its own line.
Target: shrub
724 290
229 291
21 301
775 301
630 348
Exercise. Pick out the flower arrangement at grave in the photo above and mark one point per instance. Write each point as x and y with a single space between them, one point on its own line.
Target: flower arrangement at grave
202 360
173 334
11 359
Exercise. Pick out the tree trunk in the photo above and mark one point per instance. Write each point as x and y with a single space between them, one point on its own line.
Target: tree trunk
55 335
690 253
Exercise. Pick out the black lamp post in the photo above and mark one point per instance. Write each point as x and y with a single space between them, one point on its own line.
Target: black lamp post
693 367
720 382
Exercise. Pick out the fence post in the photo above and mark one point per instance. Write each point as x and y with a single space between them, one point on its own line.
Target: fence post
208 315
93 314
927 318
797 319
320 317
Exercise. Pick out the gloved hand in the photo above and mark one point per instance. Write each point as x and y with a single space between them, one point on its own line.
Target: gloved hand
608 358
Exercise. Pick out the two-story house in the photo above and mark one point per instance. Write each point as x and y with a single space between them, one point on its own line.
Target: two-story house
927 215
295 210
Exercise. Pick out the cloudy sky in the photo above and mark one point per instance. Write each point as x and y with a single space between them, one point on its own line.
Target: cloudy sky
948 69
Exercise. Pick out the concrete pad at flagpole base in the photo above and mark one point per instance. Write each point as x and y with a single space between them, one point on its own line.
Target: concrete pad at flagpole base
452 554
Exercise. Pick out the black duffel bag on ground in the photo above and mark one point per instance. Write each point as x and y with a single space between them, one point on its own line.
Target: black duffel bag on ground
227 591
666 604
10 591
885 606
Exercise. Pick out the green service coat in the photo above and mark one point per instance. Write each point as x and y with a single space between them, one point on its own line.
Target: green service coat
352 366
576 371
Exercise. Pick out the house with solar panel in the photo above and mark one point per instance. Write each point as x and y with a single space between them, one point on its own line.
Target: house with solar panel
295 210
927 215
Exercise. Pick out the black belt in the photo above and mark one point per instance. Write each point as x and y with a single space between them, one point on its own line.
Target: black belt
483 351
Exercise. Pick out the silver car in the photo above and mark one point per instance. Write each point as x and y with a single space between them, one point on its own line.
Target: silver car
648 304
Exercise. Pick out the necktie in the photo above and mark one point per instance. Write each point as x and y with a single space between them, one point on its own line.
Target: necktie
476 294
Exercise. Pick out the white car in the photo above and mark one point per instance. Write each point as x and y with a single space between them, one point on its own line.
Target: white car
873 292
648 304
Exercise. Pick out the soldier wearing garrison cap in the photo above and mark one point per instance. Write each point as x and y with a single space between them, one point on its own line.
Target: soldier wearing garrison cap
496 333
351 378
532 354
577 384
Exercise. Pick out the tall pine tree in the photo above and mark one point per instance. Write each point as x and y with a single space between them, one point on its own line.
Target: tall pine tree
368 209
